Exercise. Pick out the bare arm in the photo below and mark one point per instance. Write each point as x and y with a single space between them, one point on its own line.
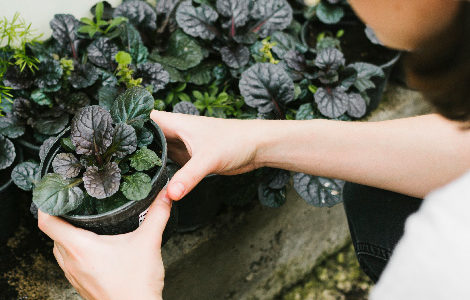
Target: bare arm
412 156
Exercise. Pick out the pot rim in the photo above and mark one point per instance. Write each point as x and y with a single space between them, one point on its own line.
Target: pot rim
57 146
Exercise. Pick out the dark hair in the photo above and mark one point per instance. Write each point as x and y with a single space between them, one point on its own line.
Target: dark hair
440 68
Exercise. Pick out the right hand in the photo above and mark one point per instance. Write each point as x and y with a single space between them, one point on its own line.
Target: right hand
204 146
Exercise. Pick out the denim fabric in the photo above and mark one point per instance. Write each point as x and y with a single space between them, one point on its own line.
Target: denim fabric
376 221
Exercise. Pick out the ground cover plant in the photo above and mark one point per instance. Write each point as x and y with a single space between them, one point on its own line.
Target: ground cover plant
104 162
227 59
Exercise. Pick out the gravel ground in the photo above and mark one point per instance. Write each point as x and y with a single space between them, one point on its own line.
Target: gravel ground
338 277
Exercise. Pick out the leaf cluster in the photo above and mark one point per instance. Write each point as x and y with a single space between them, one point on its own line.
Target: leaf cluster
100 25
101 155
219 58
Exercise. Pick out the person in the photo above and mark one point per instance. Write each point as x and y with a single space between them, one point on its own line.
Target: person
398 160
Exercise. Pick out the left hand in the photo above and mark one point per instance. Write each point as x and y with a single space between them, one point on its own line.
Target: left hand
127 266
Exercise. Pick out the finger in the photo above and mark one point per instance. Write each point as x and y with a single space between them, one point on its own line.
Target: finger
157 217
187 178
168 122
59 230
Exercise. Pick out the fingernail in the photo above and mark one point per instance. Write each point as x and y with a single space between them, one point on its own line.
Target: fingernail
178 189
166 199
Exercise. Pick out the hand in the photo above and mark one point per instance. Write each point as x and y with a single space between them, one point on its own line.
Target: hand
205 146
127 266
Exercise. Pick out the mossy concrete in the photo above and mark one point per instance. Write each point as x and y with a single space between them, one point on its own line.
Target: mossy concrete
250 253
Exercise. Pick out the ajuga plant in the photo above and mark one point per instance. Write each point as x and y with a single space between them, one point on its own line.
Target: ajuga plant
105 159
231 59
327 11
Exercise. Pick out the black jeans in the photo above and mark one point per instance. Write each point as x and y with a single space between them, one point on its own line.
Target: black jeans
376 221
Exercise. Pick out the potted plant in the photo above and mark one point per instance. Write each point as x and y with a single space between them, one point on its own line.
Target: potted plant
103 172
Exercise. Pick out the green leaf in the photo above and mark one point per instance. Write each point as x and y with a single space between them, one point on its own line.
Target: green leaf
101 52
111 203
139 13
7 152
51 124
11 127
67 144
102 182
331 103
99 9
25 175
365 72
237 57
124 141
183 52
357 106
271 15
133 44
266 87
144 159
272 190
87 208
133 107
284 43
45 147
123 58
56 195
318 191
305 112
236 11
107 95
49 75
153 74
67 165
92 130
197 21
40 98
329 13
136 186
75 102
84 75
144 137
185 108
202 74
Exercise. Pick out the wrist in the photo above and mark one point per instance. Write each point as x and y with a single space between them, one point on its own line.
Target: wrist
267 137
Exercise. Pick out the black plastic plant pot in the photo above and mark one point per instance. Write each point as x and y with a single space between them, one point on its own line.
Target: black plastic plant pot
375 94
9 201
200 206
128 217
357 47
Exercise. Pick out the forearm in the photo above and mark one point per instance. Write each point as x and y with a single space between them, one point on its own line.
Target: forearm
411 156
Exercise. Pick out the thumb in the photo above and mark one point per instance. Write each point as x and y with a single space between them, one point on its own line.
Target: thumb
187 178
157 216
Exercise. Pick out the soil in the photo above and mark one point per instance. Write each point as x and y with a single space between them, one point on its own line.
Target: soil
338 277
27 267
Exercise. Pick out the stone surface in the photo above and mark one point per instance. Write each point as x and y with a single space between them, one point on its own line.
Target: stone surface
337 277
251 253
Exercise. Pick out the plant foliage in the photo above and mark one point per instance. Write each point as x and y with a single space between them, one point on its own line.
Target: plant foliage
100 145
